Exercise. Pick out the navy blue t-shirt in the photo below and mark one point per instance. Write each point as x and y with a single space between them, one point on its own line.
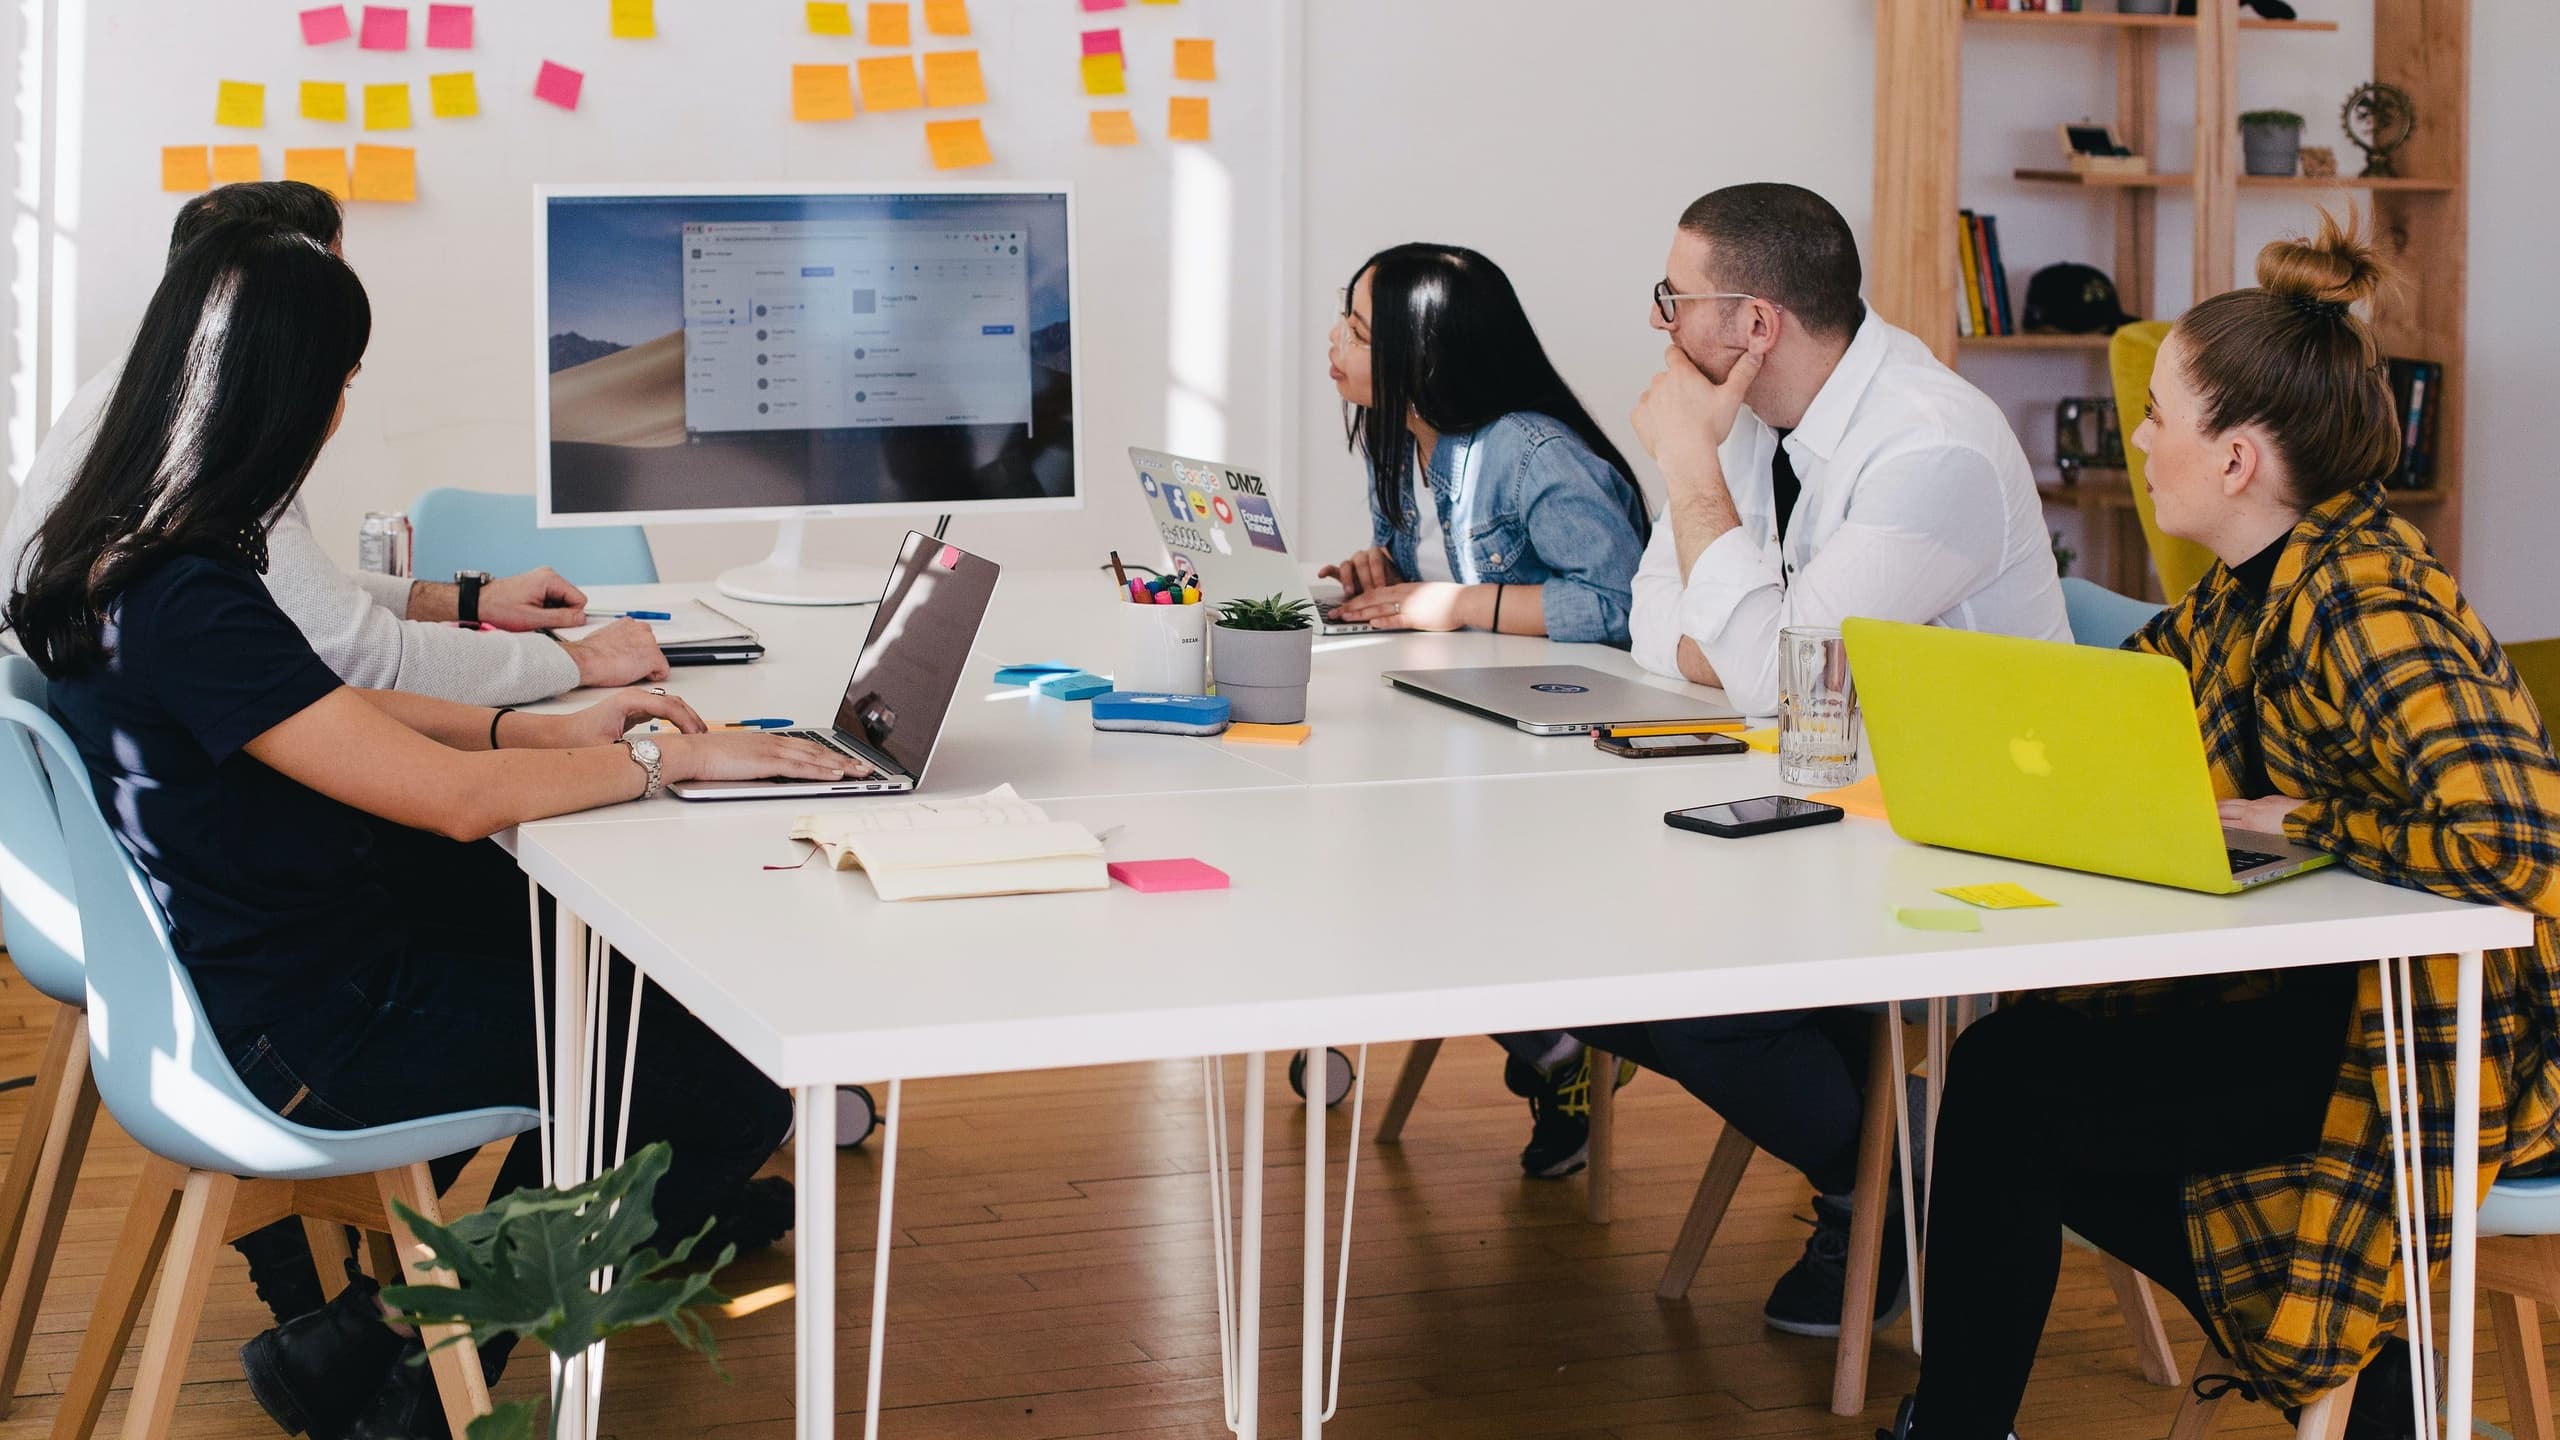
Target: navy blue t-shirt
270 886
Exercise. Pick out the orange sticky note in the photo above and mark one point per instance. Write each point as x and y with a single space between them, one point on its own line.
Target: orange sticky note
324 100
1865 798
1114 127
386 107
1104 75
236 165
1195 59
957 144
946 17
830 17
951 77
821 92
184 168
889 83
324 168
635 19
242 104
888 25
386 172
1187 118
453 97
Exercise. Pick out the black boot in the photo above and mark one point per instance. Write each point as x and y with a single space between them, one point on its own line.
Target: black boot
1901 1428
315 1373
405 1403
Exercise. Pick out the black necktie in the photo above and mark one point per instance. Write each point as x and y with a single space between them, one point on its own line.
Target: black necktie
1784 486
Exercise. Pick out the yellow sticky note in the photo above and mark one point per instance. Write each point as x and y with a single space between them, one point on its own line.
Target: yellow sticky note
888 25
1195 59
889 83
821 92
957 144
1114 127
830 17
1104 75
184 168
1266 734
946 17
324 168
2004 895
386 107
241 103
236 165
1187 118
1764 740
324 100
453 97
1926 917
635 19
386 172
951 77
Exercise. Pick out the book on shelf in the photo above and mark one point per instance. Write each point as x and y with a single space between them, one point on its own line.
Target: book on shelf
2417 394
2007 323
1986 285
1969 291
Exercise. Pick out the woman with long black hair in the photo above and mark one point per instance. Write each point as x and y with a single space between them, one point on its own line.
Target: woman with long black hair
1495 502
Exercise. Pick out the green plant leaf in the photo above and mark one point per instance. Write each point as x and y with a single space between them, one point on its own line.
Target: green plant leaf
511 1421
1274 613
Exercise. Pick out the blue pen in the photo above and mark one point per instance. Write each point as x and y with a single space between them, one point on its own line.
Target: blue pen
634 614
766 723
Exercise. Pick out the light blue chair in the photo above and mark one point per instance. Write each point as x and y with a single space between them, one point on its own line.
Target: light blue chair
475 530
2100 616
220 1163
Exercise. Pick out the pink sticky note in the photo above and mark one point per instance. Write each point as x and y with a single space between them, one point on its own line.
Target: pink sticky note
386 27
1102 42
325 25
1093 5
448 27
1163 877
949 559
559 84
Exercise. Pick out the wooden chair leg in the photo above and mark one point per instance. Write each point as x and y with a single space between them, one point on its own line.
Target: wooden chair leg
1866 1222
1732 1156
204 1212
120 1293
459 1381
1417 1068
2141 1307
1604 1136
330 1253
2326 1417
381 1258
37 1194
2519 1329
2195 1416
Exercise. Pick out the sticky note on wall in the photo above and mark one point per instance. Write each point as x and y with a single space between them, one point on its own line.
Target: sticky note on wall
559 85
236 165
449 27
324 168
951 77
635 19
946 17
386 27
957 144
386 173
1113 127
1090 6
888 83
822 92
1187 118
386 107
888 25
453 97
1195 59
184 169
1102 42
325 25
1104 75
324 100
830 17
241 104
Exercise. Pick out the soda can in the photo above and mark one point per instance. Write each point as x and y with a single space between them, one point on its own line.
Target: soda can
404 543
373 544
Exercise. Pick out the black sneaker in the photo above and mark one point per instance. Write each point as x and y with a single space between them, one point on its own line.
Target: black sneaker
1806 1300
1559 1112
1901 1429
316 1373
755 1219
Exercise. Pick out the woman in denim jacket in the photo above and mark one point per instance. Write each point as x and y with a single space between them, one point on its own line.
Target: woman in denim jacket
1495 502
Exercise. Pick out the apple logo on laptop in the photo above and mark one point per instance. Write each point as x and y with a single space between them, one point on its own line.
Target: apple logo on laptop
2028 754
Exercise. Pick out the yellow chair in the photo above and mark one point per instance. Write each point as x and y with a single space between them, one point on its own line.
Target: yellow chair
2180 563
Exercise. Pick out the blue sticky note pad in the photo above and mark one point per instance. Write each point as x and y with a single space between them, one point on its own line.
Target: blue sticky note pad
1026 674
1160 714
1073 685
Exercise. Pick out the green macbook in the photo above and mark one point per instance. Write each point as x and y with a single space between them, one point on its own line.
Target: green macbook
2063 755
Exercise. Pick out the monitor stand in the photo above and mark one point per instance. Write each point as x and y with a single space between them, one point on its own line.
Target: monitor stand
782 578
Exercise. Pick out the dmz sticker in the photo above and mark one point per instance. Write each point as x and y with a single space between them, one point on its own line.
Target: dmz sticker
1553 689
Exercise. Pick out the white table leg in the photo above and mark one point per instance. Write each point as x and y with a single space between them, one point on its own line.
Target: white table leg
1249 1286
2466 1193
565 1156
814 1262
880 1263
1311 1297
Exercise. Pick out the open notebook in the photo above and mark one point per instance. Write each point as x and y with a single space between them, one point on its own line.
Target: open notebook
992 844
693 626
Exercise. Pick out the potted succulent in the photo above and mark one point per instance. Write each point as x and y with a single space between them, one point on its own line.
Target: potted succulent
2270 142
1261 658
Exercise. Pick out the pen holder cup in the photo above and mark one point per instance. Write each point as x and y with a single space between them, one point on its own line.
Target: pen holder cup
1164 648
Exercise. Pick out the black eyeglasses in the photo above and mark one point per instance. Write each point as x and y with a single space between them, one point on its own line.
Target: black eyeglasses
1667 300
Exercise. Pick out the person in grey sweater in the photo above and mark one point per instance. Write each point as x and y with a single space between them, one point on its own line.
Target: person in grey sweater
378 632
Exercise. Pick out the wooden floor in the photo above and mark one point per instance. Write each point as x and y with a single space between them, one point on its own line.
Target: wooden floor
1053 1278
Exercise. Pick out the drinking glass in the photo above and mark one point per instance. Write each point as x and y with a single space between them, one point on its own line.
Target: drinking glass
1817 709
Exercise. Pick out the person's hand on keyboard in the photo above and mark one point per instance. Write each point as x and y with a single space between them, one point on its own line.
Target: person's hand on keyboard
606 721
753 755
2265 816
1371 569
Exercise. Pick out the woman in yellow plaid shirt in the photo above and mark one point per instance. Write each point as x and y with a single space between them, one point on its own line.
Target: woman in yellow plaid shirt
2227 1136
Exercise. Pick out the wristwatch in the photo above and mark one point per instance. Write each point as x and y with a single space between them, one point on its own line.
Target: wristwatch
646 752
466 604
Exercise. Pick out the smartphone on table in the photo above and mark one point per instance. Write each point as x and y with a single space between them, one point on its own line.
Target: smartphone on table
1664 747
1753 817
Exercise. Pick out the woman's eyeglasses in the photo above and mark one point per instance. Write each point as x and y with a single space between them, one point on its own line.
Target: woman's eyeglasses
1667 300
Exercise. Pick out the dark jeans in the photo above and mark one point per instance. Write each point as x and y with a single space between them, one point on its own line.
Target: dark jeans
1794 1081
444 1022
2052 1118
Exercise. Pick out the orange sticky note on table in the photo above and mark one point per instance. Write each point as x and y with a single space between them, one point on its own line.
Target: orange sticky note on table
957 144
386 107
185 169
888 25
1195 59
1114 127
821 92
889 83
1104 75
1187 118
324 100
386 172
453 97
635 19
1866 798
830 17
324 168
242 104
951 77
946 17
236 165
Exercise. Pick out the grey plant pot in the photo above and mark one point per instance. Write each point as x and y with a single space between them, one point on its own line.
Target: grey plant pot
2270 149
1263 673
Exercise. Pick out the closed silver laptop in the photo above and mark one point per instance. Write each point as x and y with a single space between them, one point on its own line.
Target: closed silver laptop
1556 699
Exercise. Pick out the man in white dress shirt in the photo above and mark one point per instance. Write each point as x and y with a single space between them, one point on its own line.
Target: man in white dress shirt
379 632
1820 464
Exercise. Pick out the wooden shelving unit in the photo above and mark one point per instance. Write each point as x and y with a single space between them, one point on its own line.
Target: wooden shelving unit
2422 46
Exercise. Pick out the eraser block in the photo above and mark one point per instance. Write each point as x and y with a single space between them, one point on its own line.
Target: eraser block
1267 734
1073 685
1160 714
1025 674
1162 877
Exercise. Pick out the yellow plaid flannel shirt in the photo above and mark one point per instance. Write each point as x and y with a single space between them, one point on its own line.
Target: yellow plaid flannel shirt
2383 702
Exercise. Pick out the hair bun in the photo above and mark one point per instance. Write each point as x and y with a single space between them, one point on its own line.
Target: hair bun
2337 267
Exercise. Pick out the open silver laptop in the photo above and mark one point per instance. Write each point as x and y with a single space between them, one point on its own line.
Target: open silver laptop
900 693
1556 699
1223 521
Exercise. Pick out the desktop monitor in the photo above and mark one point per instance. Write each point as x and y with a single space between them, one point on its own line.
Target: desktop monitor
738 352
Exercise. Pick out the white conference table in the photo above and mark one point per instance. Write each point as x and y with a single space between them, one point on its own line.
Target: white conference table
1493 881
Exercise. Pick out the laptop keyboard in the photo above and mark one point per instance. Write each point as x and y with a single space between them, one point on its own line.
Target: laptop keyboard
2244 861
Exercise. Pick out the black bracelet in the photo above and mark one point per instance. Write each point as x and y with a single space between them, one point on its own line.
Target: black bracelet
1496 627
493 723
